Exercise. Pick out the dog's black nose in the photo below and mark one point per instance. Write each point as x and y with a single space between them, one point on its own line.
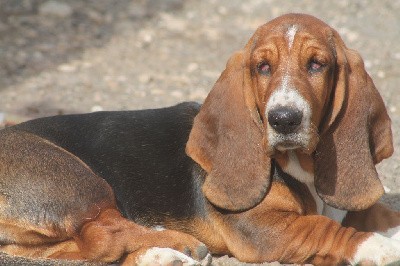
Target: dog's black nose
284 119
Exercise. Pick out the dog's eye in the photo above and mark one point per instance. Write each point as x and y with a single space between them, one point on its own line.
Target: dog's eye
315 66
264 68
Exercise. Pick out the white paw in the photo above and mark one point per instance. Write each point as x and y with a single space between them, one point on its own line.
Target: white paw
378 249
393 233
164 256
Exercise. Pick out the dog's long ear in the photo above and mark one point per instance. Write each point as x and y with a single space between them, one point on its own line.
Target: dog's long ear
226 141
356 136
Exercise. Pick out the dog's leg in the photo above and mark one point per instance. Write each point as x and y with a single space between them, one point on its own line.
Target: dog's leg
293 238
279 229
377 218
111 237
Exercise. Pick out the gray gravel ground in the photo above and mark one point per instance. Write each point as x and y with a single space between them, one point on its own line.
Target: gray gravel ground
80 56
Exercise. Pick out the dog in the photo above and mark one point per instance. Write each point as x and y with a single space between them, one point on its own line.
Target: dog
278 164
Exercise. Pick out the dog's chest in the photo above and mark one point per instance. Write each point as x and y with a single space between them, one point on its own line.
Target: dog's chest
294 169
323 208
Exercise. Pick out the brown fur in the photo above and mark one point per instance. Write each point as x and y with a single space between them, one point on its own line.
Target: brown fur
351 139
236 148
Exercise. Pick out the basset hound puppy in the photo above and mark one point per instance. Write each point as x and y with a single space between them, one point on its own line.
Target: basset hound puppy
278 164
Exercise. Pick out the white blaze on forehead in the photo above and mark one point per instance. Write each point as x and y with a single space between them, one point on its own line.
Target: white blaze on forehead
291 32
285 82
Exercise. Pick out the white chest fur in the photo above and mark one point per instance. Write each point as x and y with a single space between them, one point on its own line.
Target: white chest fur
294 169
324 209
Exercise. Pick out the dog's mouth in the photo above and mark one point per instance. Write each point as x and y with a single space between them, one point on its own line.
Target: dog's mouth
287 142
287 145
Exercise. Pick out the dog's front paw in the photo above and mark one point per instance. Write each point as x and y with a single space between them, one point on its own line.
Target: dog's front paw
167 256
393 233
378 250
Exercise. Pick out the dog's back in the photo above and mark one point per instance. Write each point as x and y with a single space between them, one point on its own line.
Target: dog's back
139 153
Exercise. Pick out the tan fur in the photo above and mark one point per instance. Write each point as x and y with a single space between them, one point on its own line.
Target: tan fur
306 162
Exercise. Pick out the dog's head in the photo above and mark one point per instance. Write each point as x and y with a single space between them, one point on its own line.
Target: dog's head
294 88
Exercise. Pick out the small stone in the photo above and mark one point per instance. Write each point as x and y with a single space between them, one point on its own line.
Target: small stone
198 95
381 74
190 15
144 78
96 108
367 64
222 10
146 36
172 23
56 9
276 11
66 68
140 93
157 92
95 16
177 94
37 55
212 33
122 78
192 67
86 64
352 36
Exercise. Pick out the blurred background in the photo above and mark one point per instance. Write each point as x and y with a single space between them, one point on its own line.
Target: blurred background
59 57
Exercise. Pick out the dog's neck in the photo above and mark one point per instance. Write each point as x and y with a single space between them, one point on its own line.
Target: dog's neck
293 169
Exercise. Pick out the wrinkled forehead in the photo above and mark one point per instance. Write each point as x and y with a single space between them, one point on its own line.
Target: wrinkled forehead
293 28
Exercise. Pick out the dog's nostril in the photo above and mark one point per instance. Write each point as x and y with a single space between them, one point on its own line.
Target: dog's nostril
284 119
